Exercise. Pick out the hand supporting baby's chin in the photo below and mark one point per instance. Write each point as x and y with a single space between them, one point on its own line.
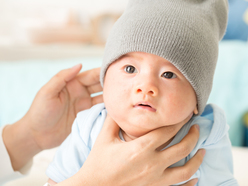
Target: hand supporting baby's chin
130 138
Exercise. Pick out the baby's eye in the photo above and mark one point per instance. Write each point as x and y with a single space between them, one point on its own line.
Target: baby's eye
130 69
169 75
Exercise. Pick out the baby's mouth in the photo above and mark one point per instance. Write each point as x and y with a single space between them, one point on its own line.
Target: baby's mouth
145 106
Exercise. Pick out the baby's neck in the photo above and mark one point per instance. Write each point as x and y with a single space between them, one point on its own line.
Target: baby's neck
130 138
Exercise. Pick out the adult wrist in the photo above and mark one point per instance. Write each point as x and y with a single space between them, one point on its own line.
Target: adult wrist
20 144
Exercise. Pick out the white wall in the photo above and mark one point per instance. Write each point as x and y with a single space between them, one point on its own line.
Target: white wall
16 16
88 6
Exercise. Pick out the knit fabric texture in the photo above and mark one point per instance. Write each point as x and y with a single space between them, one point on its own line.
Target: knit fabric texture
184 32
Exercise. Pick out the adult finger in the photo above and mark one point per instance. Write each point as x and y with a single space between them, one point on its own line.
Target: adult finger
94 88
86 103
182 149
97 99
110 129
58 82
158 137
191 182
179 174
89 77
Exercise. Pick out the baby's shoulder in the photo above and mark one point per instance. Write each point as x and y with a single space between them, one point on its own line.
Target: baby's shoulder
88 123
212 123
90 113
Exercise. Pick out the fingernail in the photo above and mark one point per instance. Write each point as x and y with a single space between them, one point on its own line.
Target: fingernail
76 66
198 128
203 151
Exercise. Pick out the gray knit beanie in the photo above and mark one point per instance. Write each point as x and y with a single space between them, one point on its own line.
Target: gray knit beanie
184 32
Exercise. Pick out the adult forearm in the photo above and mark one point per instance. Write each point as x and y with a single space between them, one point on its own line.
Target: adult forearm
19 143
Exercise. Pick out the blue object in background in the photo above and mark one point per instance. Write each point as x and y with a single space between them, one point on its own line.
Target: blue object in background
245 125
237 27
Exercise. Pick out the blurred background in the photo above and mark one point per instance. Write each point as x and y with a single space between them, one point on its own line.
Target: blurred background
27 22
38 38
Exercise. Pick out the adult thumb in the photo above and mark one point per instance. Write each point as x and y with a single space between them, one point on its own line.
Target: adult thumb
110 129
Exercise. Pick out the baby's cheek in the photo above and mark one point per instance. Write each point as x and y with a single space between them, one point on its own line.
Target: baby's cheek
176 105
173 101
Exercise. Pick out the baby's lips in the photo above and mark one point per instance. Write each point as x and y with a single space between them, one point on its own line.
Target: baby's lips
145 105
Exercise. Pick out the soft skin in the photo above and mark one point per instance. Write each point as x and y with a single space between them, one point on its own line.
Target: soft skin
142 78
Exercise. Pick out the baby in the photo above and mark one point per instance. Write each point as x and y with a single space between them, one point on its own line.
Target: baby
158 70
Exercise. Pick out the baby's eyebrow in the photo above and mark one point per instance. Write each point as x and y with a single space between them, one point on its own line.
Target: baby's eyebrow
124 56
132 56
136 57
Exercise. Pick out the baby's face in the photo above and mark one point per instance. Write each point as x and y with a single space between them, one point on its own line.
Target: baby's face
143 92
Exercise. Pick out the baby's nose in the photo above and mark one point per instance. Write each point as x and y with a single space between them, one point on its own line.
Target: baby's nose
147 88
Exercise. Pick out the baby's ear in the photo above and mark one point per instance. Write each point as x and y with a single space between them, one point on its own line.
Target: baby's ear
195 110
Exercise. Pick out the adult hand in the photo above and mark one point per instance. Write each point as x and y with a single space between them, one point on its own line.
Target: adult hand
49 119
57 103
138 162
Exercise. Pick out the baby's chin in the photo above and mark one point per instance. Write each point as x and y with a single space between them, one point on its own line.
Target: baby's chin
131 133
128 137
139 126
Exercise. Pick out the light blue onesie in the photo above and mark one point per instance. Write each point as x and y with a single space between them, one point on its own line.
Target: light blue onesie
216 169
